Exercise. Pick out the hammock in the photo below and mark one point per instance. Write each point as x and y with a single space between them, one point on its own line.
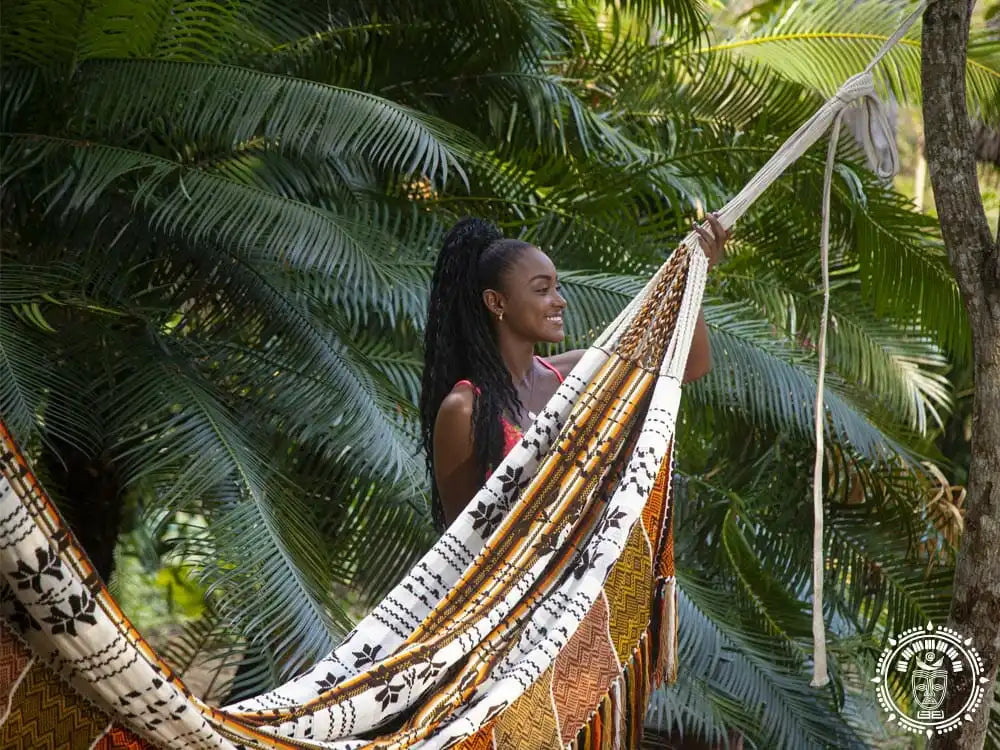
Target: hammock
541 619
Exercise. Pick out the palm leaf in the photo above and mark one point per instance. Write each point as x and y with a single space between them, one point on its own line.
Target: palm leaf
38 30
902 366
906 274
66 32
203 207
739 666
204 648
314 387
674 18
875 575
221 106
34 383
594 300
773 383
260 554
823 44
743 374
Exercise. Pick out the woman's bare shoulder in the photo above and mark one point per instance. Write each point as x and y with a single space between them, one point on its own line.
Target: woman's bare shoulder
456 408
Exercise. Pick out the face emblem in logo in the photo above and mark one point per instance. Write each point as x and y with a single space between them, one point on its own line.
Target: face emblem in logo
929 683
918 671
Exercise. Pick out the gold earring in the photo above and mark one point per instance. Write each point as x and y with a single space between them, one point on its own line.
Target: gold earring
500 316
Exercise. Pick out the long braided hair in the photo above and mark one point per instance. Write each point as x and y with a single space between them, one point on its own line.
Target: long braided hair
460 342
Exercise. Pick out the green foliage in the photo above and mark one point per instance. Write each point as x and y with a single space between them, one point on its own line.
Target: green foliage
822 44
220 220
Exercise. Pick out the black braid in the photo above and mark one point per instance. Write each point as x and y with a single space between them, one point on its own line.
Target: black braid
460 342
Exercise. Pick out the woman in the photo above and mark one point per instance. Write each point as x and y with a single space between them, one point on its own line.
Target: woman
492 300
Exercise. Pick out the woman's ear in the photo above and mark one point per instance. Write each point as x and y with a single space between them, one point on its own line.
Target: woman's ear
494 302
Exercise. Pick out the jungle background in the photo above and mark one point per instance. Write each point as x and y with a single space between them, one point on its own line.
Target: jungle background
219 225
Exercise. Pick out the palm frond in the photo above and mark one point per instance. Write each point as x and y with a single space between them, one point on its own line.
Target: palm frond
204 644
18 85
875 575
690 707
201 207
39 31
594 300
362 517
66 32
222 106
904 375
259 553
757 556
774 383
266 569
784 618
314 387
679 19
552 110
738 666
877 239
901 366
35 387
401 366
823 44
905 272
715 90
186 30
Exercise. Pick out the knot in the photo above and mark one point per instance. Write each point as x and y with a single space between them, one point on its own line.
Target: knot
858 85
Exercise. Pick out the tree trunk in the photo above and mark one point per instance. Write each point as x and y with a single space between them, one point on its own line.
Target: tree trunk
975 259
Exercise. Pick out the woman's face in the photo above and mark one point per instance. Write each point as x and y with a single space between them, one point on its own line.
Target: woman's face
530 300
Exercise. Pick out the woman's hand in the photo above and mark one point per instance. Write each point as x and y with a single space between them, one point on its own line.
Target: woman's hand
713 239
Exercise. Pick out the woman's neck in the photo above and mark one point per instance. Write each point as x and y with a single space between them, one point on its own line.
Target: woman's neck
518 354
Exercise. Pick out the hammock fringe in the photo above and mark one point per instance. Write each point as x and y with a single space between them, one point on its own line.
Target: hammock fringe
619 718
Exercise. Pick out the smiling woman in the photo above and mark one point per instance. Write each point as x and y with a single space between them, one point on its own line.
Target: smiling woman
492 300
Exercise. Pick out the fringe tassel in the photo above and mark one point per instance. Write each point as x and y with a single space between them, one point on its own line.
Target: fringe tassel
664 631
617 721
607 722
618 714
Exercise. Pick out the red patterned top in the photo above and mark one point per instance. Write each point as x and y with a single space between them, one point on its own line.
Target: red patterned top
512 433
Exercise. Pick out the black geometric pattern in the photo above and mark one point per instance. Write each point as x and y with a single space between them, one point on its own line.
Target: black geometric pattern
47 564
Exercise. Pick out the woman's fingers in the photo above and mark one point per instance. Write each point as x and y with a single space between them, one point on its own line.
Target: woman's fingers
717 229
713 239
709 245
